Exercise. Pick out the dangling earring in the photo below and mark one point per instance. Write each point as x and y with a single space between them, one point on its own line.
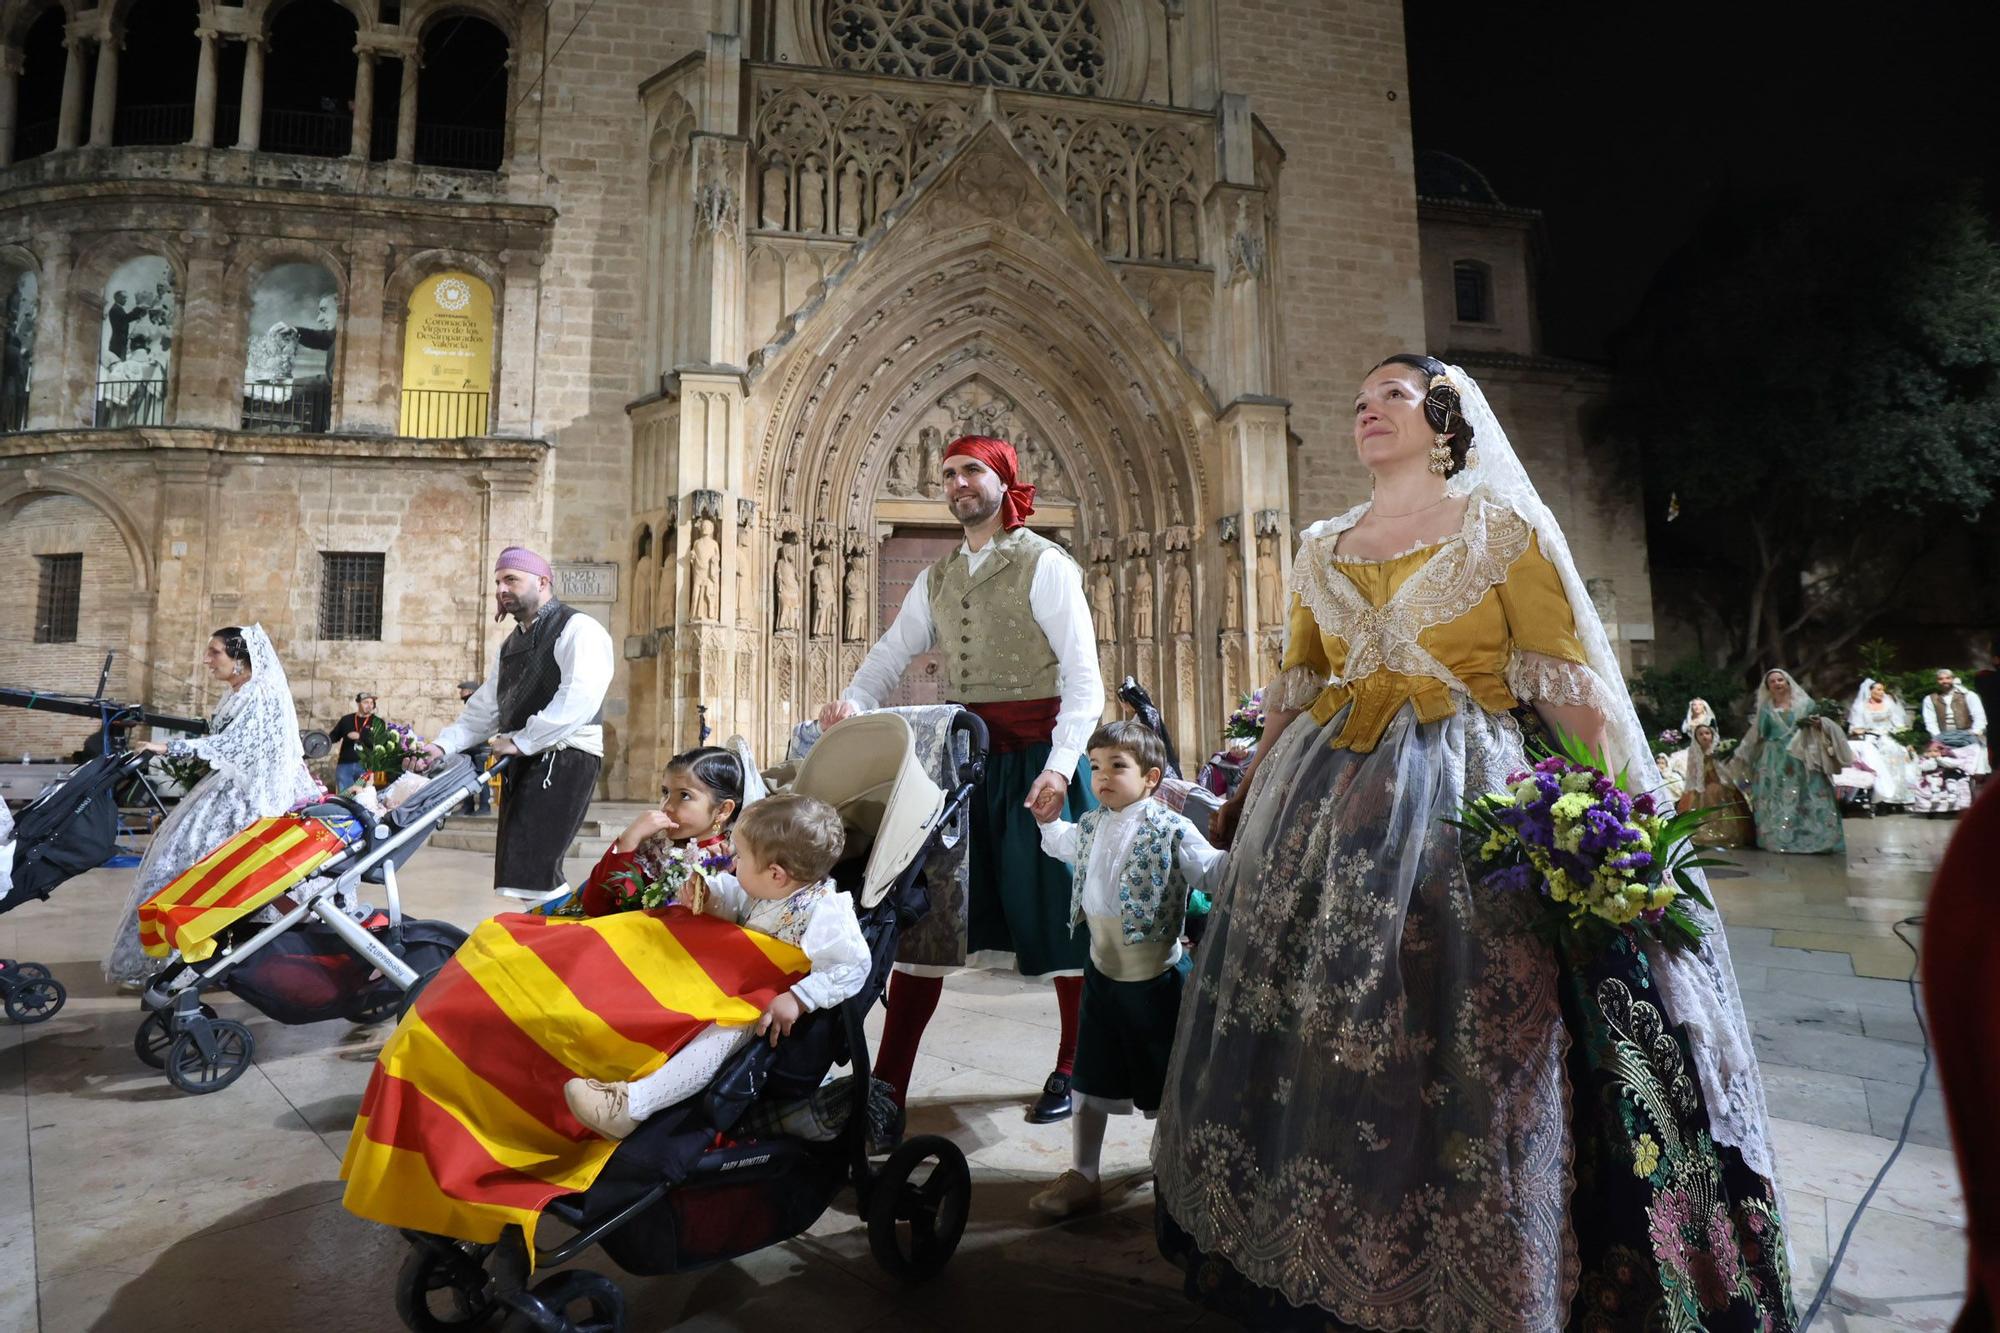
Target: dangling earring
1440 464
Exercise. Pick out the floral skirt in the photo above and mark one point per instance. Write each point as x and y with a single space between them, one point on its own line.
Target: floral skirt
1392 1106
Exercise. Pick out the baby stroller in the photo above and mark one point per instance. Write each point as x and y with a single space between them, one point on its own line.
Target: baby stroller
323 956
681 1193
70 828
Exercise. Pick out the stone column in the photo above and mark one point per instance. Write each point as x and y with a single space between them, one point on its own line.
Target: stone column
520 299
69 129
364 103
1253 465
204 90
48 385
208 369
250 132
406 109
10 102
104 98
367 399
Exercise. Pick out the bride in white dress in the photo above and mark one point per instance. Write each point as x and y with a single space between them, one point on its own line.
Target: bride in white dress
257 769
1873 721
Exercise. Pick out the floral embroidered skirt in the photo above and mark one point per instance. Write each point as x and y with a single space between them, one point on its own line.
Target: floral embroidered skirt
1392 1106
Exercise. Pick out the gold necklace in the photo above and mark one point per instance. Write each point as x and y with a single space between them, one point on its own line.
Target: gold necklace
1409 513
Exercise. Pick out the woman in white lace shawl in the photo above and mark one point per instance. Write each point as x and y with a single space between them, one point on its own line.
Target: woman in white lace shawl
1392 1104
257 769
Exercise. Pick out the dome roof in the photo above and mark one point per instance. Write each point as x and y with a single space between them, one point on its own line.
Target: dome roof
1442 176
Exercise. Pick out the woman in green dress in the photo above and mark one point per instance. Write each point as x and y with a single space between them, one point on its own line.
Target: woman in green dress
1791 788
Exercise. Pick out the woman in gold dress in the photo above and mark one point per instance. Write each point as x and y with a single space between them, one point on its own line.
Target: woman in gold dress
1393 1104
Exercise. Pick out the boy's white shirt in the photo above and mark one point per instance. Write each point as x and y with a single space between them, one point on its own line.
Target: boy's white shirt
1199 862
832 941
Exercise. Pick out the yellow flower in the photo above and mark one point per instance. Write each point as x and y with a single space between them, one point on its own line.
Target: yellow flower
1645 1156
1661 896
1571 806
1495 843
1577 782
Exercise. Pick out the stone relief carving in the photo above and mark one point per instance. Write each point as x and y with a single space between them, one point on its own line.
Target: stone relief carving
1271 607
786 582
1181 595
1104 605
1052 46
1232 590
1142 602
855 597
823 606
704 573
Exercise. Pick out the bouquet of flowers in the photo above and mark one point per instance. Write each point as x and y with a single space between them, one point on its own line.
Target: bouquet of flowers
385 745
678 879
1248 719
1605 861
185 772
1724 746
1670 740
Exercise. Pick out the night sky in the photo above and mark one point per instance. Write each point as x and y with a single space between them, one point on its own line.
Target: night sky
1629 125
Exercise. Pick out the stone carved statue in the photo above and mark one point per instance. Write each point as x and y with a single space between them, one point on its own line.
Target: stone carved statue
1104 605
852 183
811 212
771 208
1187 231
1152 226
1039 467
1085 217
1181 593
1232 591
787 578
887 190
855 594
823 609
1271 608
1142 603
745 535
704 573
902 478
1131 488
931 442
1117 225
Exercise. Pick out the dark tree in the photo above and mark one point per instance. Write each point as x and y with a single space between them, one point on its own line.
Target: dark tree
1814 393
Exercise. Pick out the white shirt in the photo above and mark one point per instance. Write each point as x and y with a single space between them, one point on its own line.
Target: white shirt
829 935
1057 601
583 652
1199 862
1973 705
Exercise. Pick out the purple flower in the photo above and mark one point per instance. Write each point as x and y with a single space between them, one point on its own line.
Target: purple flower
1516 776
1510 879
1553 764
1631 861
1642 804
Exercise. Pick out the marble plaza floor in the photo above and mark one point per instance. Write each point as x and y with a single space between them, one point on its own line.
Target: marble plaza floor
134 1206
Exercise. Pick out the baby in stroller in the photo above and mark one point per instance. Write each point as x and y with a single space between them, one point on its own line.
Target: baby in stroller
786 847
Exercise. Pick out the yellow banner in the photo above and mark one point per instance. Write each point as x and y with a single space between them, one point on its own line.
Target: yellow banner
448 357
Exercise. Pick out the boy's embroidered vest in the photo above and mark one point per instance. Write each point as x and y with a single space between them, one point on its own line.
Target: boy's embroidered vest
1152 895
992 648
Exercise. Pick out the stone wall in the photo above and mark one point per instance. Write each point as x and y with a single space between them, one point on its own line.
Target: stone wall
1329 81
61 525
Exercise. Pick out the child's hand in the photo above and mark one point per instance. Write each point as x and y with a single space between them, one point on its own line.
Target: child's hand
778 1019
644 827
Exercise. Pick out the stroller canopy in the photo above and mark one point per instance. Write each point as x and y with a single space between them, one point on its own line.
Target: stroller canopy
867 769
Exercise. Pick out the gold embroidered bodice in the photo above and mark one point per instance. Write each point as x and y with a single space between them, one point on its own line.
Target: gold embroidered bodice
1456 615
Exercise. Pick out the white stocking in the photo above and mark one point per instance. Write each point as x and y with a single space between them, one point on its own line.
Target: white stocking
686 1072
1089 1125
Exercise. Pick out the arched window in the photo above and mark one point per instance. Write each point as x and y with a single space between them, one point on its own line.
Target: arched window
135 344
289 360
462 95
22 290
156 76
1055 46
1472 292
43 59
448 358
309 80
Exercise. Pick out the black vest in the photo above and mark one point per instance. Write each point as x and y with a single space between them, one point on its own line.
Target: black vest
529 674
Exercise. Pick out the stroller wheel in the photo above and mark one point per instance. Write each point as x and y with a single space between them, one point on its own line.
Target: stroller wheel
585 1302
192 1070
443 1289
917 1214
31 971
36 1001
151 1041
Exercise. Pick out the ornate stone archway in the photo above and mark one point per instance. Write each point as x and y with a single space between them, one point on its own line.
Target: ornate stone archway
975 303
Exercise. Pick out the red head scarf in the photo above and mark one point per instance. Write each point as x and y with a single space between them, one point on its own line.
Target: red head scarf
998 455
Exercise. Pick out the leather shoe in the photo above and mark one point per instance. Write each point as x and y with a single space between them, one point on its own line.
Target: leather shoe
1054 1103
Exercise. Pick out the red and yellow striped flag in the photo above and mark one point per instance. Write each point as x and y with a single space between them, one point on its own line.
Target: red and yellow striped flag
231 882
463 1130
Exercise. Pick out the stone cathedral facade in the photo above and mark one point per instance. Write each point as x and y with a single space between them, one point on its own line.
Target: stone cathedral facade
699 323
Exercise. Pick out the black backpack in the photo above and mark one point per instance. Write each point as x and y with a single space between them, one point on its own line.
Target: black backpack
70 828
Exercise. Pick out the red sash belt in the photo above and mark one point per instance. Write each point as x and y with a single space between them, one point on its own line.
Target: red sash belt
1017 724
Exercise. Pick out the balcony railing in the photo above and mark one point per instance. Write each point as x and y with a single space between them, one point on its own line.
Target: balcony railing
444 414
166 124
13 408
131 403
292 409
311 133
472 147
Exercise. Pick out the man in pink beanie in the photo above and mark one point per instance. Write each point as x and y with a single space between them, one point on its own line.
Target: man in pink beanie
542 704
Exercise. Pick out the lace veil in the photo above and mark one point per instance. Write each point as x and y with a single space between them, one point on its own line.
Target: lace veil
1857 712
255 737
1699 987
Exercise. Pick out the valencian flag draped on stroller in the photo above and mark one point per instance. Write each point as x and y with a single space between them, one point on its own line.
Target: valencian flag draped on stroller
463 1129
241 876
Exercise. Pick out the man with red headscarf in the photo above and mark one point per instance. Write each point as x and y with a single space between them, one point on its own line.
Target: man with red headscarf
1007 613
542 703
